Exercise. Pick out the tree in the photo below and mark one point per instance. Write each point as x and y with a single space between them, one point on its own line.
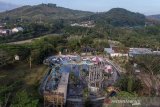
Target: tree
73 45
125 94
149 63
4 58
85 93
86 40
41 49
22 99
129 84
7 91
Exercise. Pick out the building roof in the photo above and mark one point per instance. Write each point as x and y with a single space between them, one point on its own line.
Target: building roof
140 51
18 28
116 50
156 52
108 50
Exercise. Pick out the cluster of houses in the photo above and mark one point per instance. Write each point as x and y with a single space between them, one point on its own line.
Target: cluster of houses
88 24
6 32
129 52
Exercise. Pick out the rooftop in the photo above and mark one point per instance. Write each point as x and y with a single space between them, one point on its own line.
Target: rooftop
117 50
140 50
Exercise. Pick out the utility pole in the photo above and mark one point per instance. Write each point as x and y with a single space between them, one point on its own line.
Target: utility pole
157 48
30 58
30 62
40 20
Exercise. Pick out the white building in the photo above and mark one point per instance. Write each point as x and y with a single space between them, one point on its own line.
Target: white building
88 24
4 32
17 29
117 51
139 51
16 57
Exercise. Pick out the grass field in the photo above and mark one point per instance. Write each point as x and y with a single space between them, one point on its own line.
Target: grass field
31 40
29 78
21 71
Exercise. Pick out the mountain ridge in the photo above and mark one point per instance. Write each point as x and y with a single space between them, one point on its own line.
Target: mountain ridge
45 12
119 17
50 12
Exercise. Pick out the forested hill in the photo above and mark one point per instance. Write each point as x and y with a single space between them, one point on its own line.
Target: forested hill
43 12
50 12
119 17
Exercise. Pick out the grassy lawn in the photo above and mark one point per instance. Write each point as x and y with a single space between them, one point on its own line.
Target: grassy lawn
35 75
31 40
30 78
21 71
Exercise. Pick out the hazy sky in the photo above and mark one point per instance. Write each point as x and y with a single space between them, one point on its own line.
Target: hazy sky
143 6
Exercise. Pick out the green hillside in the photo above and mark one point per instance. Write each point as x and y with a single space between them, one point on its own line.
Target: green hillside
42 12
51 12
119 17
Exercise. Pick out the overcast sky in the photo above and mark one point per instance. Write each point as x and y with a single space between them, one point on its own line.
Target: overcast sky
146 7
